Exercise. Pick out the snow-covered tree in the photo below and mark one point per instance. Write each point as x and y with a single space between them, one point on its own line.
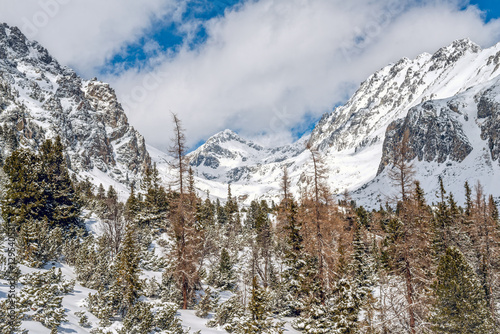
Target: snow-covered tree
228 314
460 305
257 319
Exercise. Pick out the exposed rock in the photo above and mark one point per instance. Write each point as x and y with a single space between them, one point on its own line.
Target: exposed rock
40 99
435 134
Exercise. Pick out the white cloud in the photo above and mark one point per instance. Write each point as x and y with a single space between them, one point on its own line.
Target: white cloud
85 33
264 66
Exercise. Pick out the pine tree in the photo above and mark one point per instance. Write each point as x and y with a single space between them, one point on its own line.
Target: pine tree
127 283
468 199
258 320
293 275
225 277
228 314
166 321
154 208
40 194
42 295
10 318
139 319
362 266
460 305
60 193
345 307
206 304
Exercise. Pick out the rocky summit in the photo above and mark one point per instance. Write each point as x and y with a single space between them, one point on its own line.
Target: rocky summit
448 102
430 96
41 99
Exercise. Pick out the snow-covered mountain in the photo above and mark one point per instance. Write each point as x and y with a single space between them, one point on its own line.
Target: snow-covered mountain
448 101
40 99
351 138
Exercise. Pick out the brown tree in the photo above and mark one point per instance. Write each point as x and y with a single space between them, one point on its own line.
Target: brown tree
402 172
182 216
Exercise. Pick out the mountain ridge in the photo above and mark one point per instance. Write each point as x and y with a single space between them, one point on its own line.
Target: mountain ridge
40 99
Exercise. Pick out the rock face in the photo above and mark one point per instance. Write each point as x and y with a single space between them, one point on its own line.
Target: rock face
488 111
389 93
40 99
435 134
228 158
447 101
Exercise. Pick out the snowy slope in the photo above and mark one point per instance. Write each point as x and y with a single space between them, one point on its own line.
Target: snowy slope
41 99
351 137
455 138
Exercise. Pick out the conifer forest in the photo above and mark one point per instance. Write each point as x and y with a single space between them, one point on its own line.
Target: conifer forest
311 262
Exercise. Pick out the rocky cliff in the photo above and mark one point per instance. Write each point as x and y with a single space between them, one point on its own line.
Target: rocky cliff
41 99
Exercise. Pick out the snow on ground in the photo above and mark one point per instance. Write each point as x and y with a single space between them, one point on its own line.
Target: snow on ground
75 302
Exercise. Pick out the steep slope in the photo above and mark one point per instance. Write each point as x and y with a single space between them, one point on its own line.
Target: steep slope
351 137
40 99
456 138
389 93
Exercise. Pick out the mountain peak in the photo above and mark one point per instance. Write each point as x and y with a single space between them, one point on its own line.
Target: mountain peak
54 100
14 46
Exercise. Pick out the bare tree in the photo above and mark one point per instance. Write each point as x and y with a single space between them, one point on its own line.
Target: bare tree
320 200
402 173
178 151
187 250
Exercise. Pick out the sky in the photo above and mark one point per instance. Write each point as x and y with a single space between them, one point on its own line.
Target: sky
267 69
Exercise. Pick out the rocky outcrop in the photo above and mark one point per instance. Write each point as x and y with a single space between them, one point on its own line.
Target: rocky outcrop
434 134
488 111
40 99
389 93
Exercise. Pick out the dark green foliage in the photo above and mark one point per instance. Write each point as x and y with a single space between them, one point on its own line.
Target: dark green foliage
468 199
165 319
345 306
294 275
225 276
258 319
363 216
139 319
362 266
127 283
92 264
10 318
42 296
207 303
228 314
460 305
155 204
169 291
40 197
83 320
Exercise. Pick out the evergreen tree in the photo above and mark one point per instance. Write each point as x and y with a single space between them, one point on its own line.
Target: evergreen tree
206 304
139 319
362 266
62 201
155 205
225 277
258 320
460 305
42 295
166 321
293 275
10 318
39 195
127 283
228 315
345 307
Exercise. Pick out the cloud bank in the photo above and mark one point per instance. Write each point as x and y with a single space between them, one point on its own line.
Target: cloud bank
267 67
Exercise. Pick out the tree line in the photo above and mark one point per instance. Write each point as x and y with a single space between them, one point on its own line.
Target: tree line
333 266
